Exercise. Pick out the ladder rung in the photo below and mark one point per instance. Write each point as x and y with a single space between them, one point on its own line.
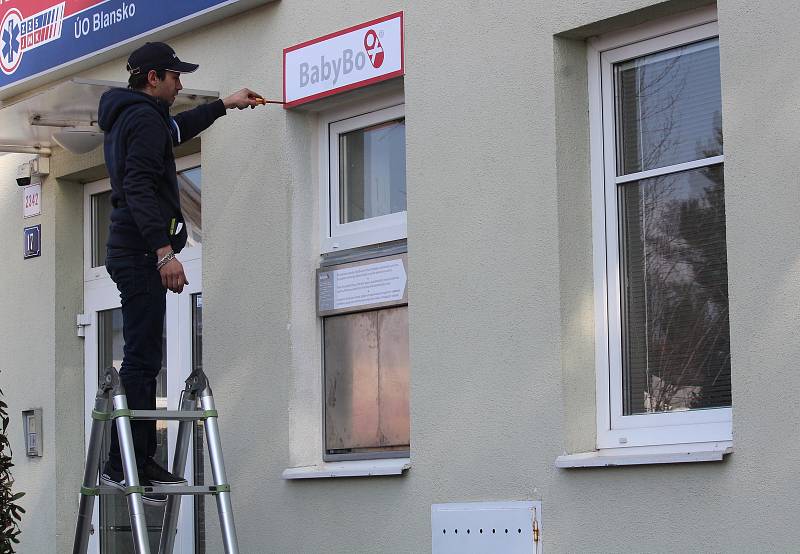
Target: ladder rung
205 489
127 528
168 489
173 415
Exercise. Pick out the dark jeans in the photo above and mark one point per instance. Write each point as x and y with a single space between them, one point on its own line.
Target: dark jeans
143 306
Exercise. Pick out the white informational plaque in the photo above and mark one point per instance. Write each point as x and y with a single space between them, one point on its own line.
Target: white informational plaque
362 285
32 200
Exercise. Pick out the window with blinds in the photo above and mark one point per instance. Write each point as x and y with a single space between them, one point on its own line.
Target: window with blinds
669 195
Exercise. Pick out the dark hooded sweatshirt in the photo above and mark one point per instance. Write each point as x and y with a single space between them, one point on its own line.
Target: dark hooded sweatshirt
139 137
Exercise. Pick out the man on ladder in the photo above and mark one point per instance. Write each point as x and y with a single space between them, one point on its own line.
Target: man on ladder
147 230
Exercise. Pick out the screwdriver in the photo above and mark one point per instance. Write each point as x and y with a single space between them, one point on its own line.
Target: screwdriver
262 101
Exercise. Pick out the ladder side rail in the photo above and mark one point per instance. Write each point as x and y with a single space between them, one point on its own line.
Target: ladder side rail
224 507
86 506
170 526
135 504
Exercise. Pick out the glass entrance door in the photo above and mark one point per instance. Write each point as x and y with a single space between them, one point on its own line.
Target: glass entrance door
181 353
115 531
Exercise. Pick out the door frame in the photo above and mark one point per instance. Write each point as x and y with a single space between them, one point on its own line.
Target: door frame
100 294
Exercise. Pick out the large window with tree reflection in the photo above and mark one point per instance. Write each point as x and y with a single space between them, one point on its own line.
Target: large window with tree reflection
664 260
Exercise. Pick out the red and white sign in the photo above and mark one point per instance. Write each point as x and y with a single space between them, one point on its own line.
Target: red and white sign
348 59
32 200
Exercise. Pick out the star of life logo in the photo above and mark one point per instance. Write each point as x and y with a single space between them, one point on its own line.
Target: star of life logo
19 34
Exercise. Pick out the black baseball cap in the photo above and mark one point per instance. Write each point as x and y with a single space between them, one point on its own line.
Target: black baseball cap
157 55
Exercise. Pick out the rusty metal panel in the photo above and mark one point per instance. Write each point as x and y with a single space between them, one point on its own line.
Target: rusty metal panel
393 363
351 381
366 381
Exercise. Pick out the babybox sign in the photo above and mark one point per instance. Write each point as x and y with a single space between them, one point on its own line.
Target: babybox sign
352 58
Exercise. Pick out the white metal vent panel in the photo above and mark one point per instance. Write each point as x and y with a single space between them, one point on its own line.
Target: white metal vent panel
487 528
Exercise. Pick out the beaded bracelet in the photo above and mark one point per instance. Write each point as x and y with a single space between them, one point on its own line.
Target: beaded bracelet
165 260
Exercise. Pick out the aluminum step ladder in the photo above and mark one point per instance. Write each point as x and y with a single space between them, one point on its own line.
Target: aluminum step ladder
112 394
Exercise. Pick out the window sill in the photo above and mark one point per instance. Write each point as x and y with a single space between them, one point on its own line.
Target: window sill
359 468
645 455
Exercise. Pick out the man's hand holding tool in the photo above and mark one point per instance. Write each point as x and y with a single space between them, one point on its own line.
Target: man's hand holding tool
262 101
246 98
242 99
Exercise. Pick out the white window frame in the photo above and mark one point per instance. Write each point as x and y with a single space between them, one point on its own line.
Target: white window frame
334 235
614 431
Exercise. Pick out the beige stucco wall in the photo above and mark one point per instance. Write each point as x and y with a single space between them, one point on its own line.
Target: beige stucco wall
26 350
501 313
40 355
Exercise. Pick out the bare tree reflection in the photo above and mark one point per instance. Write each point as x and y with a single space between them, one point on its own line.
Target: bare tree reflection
676 339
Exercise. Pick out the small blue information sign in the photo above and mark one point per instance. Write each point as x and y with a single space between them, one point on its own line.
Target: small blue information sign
33 241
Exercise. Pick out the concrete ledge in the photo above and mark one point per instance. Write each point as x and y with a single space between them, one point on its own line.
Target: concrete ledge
359 468
672 454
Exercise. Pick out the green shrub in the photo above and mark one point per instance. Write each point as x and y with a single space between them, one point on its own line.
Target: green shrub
10 512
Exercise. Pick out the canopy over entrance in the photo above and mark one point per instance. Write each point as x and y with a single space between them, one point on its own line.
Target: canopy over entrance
65 114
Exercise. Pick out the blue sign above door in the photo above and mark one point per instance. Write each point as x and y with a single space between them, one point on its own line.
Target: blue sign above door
39 36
